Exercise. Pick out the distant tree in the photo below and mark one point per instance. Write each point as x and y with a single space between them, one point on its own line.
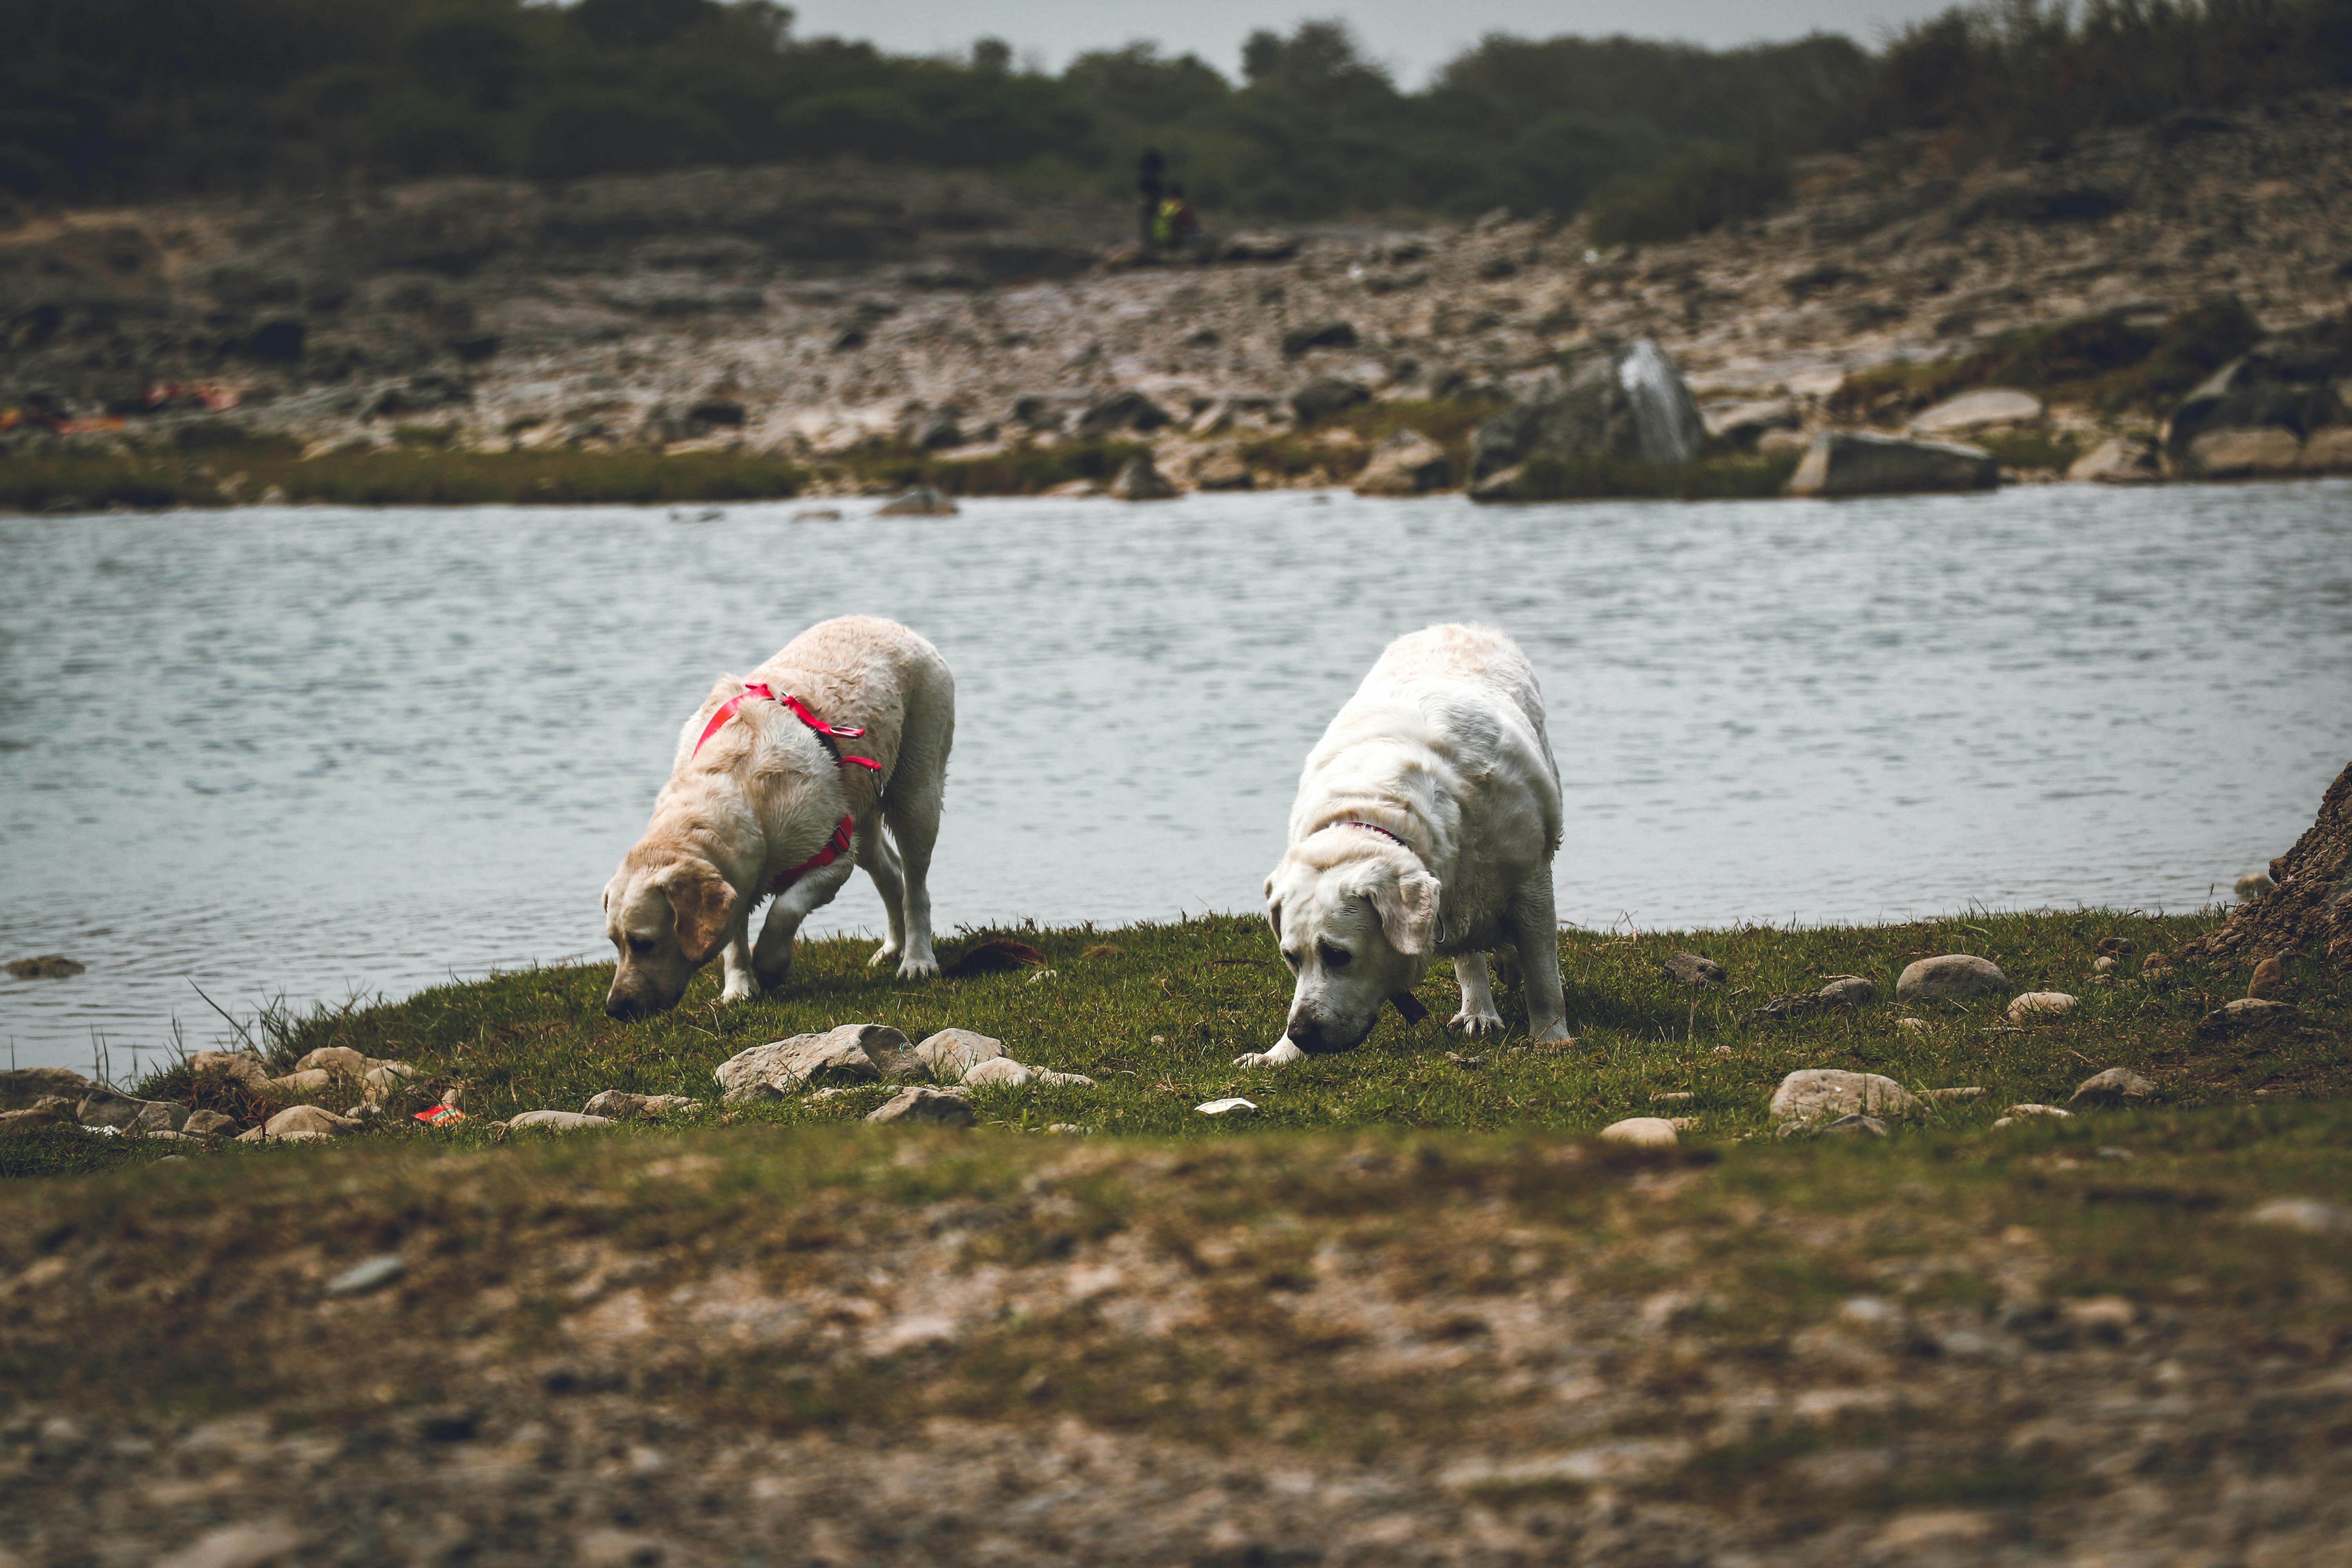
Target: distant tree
640 23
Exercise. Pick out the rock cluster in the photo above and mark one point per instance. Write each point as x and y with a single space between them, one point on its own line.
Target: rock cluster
854 1054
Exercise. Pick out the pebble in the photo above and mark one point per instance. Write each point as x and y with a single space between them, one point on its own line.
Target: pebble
2253 885
559 1120
2246 1013
1856 1125
236 1546
1966 1091
2038 1002
2105 965
1677 1097
2311 1216
1954 977
1644 1132
1690 969
1065 1127
2115 946
999 1072
2116 1086
915 1103
334 1059
1224 1107
1817 1094
1848 991
2029 1111
2269 975
2110 1152
370 1274
1912 1025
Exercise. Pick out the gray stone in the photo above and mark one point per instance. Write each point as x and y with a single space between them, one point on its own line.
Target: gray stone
1331 334
850 1053
1745 424
1856 1125
1860 463
560 1121
1616 400
1823 1094
917 1104
1954 977
374 1274
1847 991
2031 1109
1326 396
2246 1013
1407 463
246 1067
2116 1086
1122 411
1644 1132
301 1121
2039 1004
2313 1217
261 1545
21 1087
1063 1079
1965 1091
308 1081
615 1103
2269 453
1234 1106
32 1119
103 1107
1140 479
949 1053
1979 410
2285 386
999 1072
2119 461
1259 247
208 1124
921 501
1690 969
341 1060
159 1115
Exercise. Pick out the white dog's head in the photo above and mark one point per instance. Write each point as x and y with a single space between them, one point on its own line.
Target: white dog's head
667 912
1356 916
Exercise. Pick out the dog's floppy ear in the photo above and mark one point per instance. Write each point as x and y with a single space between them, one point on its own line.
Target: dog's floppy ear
1408 910
701 904
1273 907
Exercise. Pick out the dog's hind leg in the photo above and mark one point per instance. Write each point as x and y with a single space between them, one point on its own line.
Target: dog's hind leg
914 816
1534 932
1478 1015
881 863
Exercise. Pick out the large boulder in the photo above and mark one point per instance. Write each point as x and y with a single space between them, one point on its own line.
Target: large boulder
1609 400
1141 479
2123 460
1127 410
21 1088
1407 463
1327 396
852 1053
1983 409
2276 397
1860 463
1825 1094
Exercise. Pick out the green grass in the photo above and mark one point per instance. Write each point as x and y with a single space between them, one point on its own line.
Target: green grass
1156 1014
1019 471
1614 479
2109 363
419 474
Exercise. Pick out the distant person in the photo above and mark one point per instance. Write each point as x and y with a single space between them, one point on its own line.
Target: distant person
1151 183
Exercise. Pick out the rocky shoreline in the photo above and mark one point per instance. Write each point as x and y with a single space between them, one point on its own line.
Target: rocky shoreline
831 317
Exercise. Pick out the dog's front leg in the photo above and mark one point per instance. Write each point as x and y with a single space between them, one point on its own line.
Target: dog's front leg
736 959
1478 1015
1283 1054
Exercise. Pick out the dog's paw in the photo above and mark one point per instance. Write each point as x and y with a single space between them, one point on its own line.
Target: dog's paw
1557 1034
924 968
1281 1055
739 988
886 953
1471 1023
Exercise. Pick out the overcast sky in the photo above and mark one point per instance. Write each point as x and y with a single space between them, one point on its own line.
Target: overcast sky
1410 37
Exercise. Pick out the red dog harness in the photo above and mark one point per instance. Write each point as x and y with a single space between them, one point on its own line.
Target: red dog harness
827 735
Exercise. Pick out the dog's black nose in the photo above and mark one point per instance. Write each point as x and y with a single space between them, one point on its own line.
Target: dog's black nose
628 1009
1306 1034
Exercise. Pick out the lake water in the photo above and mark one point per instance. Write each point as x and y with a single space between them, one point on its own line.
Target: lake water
317 753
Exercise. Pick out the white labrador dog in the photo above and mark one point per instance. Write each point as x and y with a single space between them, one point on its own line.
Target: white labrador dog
1426 822
783 781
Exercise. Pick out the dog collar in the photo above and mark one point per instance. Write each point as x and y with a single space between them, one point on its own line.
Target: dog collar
835 848
1376 827
825 733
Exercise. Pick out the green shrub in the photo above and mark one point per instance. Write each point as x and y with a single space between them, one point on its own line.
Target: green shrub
1694 194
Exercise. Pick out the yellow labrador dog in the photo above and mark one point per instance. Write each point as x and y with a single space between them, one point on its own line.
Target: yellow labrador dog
1426 822
783 781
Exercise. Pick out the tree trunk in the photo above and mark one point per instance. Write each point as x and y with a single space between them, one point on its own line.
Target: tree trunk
2313 901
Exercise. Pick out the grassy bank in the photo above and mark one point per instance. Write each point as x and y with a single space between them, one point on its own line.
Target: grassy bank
1410 1277
1155 1015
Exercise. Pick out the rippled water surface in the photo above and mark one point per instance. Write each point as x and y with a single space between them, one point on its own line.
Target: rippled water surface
319 753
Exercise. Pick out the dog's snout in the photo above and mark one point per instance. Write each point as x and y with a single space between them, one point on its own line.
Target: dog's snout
1306 1033
628 1009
